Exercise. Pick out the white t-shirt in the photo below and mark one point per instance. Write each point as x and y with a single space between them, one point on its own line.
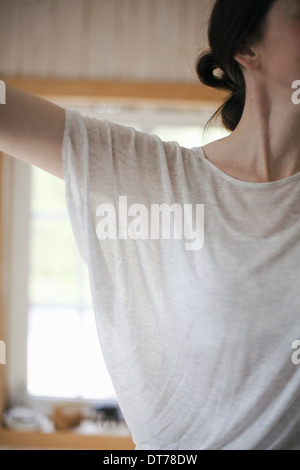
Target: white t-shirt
197 337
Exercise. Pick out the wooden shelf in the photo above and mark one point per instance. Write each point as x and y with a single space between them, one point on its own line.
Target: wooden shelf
63 440
171 94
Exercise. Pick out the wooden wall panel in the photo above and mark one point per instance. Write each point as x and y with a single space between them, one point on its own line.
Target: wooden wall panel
33 37
102 52
9 36
69 16
133 38
196 40
150 40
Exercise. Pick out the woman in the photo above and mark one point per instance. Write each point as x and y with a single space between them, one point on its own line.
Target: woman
198 342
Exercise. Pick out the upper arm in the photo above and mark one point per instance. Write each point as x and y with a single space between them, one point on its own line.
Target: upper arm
31 129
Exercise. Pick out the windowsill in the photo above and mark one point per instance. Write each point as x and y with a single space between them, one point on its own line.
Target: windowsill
66 440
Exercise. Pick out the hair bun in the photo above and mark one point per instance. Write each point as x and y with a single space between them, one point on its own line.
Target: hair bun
206 69
211 74
232 110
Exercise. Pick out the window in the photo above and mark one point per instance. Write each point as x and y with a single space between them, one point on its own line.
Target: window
64 359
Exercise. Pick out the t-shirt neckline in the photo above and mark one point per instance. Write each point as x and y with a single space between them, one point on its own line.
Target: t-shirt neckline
249 184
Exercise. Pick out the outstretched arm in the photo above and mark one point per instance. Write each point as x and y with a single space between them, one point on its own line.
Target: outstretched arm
31 129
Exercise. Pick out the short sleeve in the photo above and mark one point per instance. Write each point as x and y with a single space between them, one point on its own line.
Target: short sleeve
103 161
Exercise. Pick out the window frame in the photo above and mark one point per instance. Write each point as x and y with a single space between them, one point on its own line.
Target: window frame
16 178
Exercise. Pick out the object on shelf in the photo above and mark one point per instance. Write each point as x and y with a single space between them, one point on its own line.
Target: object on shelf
67 416
21 418
108 414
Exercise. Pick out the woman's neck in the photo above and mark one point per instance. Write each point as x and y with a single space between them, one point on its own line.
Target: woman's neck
265 145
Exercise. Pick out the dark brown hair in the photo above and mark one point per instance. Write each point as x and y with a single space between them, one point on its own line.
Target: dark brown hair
232 22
